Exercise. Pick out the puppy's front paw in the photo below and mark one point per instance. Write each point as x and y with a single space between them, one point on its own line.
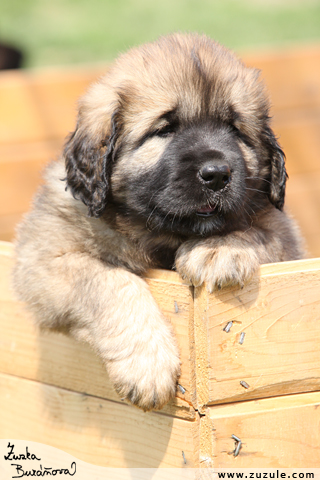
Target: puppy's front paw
148 376
217 262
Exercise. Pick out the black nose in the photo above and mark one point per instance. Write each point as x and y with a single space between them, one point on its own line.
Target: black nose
216 177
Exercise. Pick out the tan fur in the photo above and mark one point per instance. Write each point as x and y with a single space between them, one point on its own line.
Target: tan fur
234 259
80 274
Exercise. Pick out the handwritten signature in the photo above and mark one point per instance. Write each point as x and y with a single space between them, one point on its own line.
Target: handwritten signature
40 471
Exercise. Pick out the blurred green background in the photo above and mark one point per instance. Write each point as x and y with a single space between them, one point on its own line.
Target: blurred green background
56 32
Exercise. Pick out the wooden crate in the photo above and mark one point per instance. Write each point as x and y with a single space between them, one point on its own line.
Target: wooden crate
38 109
55 391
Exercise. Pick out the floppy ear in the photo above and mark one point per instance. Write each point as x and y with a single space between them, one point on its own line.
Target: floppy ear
278 174
88 164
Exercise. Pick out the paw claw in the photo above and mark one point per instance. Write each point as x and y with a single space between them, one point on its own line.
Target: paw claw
147 381
210 288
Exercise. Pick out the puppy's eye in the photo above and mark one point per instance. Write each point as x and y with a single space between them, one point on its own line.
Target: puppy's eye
165 131
162 132
235 129
242 136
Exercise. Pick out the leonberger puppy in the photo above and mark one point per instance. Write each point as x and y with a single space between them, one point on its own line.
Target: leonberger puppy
172 164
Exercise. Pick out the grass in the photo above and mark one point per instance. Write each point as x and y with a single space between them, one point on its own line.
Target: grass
55 32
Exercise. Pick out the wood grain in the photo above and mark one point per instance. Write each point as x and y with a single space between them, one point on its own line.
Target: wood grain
55 359
292 76
275 432
93 429
55 390
279 313
41 104
303 202
298 137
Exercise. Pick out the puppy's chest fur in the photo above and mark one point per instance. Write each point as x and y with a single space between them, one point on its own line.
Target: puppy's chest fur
164 257
147 249
142 254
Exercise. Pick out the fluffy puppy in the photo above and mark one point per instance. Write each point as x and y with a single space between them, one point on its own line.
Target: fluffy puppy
172 164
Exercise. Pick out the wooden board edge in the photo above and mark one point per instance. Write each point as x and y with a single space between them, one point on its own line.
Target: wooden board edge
6 248
281 268
200 341
296 266
254 406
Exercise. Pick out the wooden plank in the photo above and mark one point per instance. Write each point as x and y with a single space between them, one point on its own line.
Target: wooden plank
285 268
313 244
93 429
19 120
18 184
21 168
42 151
303 201
291 75
176 302
165 276
56 359
41 104
275 432
299 138
279 312
8 224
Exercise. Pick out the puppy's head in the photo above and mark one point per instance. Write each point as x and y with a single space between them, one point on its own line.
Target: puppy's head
177 136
